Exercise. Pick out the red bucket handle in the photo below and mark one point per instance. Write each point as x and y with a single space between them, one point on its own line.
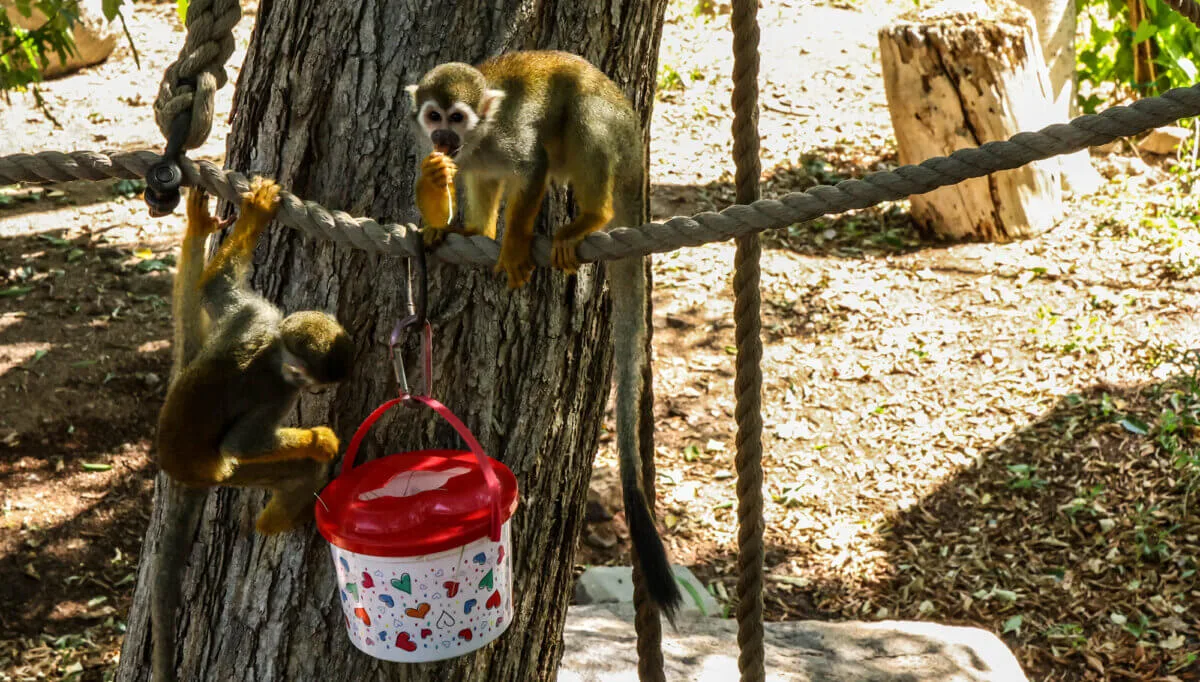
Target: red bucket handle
485 465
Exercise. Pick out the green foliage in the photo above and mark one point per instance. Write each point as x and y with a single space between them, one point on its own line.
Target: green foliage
24 54
1104 47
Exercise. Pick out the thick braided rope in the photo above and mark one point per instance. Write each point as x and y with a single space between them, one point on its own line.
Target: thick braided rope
622 242
192 81
748 320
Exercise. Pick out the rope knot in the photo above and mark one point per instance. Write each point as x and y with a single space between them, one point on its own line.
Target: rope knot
192 81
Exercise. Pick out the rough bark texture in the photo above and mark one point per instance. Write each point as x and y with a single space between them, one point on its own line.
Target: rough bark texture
320 106
1056 21
957 78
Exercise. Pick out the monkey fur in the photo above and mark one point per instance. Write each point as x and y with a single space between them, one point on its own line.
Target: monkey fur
239 366
509 127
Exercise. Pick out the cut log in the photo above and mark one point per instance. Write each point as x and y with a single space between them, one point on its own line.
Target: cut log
957 76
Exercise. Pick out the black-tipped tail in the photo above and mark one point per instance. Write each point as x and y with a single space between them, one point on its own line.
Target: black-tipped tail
651 555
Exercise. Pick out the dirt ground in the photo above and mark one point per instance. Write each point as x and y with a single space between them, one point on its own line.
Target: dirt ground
992 435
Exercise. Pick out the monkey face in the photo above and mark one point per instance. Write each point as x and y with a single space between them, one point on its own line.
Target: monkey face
452 107
447 127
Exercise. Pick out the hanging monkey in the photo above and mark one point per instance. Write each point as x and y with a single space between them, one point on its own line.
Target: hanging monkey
239 367
509 127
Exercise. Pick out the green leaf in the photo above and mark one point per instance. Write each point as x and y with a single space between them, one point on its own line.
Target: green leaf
181 8
111 8
1144 31
92 466
11 292
1013 624
1132 425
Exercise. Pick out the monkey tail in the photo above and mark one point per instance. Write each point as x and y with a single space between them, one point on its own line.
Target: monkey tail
629 285
180 514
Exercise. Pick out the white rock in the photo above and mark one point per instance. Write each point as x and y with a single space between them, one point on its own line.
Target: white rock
614 584
1164 140
600 646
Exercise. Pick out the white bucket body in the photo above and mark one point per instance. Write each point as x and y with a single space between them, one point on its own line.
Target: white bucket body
430 607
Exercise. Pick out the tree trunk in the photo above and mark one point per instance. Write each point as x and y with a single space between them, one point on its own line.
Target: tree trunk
1056 22
320 106
956 78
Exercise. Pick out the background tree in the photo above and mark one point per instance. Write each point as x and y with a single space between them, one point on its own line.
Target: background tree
320 106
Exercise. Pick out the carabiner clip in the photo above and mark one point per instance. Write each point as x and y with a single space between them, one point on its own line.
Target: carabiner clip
417 288
164 177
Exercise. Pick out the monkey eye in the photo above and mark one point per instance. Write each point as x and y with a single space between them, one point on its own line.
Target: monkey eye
456 117
434 116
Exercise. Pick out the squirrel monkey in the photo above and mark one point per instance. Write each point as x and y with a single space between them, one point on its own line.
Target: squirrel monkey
238 369
510 126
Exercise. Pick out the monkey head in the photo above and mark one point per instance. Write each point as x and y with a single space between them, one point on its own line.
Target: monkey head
452 107
317 351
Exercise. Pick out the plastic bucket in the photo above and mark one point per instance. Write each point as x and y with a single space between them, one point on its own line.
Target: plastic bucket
421 546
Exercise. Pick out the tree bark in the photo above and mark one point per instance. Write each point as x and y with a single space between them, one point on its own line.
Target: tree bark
957 78
320 107
1056 22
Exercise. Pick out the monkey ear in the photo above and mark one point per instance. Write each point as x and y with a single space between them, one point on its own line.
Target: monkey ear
489 104
412 95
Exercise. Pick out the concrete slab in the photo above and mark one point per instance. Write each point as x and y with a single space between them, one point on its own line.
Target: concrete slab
600 647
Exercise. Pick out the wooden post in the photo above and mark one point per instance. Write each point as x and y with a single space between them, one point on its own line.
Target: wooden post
958 75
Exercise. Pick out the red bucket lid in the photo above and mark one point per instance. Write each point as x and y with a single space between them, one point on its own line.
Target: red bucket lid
412 504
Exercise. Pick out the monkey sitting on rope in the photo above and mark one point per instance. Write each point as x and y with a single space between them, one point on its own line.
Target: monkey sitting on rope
238 370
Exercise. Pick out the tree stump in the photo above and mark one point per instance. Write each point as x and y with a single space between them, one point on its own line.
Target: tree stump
957 76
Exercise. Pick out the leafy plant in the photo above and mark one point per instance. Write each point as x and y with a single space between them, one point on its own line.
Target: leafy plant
1105 48
25 53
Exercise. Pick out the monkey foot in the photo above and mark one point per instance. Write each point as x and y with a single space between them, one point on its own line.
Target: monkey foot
278 518
518 268
562 255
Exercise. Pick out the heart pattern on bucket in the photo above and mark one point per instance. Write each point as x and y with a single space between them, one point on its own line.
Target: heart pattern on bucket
403 641
404 584
419 612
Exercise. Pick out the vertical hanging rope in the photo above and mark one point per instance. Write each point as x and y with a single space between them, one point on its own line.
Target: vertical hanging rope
748 383
647 621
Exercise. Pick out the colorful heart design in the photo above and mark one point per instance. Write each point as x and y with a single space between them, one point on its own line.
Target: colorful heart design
469 605
500 554
445 621
362 615
494 600
403 641
382 635
418 612
425 633
466 634
404 584
344 597
439 573
367 581
479 558
370 642
486 582
451 588
387 599
345 564
352 589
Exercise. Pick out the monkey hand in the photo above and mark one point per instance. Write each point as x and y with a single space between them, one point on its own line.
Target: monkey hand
435 196
324 444
562 254
516 263
262 199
